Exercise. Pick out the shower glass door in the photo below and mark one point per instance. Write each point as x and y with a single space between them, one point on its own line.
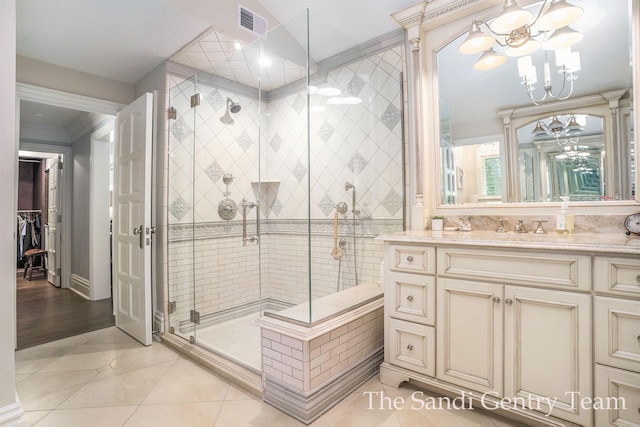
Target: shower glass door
181 215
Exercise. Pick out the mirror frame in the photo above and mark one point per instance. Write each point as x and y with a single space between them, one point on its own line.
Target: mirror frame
445 20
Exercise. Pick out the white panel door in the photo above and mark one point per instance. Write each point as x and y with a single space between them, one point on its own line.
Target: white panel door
53 223
132 219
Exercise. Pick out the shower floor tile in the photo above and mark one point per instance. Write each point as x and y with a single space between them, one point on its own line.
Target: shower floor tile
237 339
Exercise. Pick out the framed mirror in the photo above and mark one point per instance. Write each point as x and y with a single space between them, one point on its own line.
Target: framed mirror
483 150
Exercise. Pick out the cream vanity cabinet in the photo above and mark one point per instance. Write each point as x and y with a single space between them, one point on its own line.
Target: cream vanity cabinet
617 334
510 323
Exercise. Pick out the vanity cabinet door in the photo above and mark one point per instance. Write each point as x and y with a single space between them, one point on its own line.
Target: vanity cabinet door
547 345
469 334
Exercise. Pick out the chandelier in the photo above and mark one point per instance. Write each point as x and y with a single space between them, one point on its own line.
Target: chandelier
563 133
575 156
516 31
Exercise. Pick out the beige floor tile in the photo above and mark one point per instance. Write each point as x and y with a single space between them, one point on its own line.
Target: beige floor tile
111 335
47 390
202 414
83 417
236 393
33 359
140 357
188 383
354 411
32 417
251 413
84 356
71 341
116 388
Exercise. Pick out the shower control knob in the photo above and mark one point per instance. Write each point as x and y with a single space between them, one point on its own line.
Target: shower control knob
409 298
410 258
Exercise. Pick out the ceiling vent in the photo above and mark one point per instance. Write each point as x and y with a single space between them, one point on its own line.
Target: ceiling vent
251 21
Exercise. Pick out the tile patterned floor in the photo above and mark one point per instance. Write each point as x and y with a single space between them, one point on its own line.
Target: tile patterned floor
105 378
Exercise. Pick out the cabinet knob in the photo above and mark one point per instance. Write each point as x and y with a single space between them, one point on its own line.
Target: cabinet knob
638 338
410 298
410 347
638 278
496 300
410 259
508 301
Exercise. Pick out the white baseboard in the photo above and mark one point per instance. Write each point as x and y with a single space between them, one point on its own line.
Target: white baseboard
12 415
80 285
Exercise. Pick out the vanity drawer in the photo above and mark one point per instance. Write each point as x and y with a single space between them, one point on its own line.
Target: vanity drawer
412 297
621 392
617 332
617 275
412 258
412 346
543 269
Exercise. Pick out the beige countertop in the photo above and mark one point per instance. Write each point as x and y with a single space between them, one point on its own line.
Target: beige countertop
580 242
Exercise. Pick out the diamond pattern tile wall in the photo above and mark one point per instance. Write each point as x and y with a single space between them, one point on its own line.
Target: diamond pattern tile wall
179 208
357 143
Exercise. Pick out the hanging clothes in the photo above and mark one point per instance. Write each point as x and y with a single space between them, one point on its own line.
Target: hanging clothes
29 233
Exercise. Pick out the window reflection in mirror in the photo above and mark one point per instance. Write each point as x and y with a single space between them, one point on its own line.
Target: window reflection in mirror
472 171
473 100
562 155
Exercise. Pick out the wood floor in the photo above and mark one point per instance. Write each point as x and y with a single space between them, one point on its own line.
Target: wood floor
46 313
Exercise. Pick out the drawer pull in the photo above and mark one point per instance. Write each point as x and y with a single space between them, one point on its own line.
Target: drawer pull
496 300
638 280
410 298
410 259
410 347
508 301
638 338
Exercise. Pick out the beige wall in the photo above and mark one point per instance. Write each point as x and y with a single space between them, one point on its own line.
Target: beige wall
51 76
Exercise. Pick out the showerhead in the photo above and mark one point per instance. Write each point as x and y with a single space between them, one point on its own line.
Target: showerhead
233 107
227 119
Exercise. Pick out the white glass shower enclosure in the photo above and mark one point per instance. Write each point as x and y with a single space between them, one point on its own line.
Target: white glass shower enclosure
261 145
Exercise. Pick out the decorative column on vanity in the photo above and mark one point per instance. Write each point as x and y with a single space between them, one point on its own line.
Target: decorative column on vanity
410 19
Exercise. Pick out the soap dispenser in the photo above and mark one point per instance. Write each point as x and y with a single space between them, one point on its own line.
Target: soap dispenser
564 220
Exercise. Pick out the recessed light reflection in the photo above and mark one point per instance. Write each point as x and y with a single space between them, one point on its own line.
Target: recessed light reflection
347 100
329 91
318 109
265 61
237 45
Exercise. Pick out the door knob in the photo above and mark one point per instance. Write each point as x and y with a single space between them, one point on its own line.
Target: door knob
138 232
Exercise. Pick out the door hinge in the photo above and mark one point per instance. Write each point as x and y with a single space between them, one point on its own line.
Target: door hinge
195 100
59 218
173 114
194 317
58 272
172 307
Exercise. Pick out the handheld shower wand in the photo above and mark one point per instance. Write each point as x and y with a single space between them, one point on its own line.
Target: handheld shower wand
354 212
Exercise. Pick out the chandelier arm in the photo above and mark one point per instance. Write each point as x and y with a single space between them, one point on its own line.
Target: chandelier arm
529 90
570 78
494 33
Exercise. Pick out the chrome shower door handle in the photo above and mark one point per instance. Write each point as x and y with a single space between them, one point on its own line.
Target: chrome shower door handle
245 205
138 232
